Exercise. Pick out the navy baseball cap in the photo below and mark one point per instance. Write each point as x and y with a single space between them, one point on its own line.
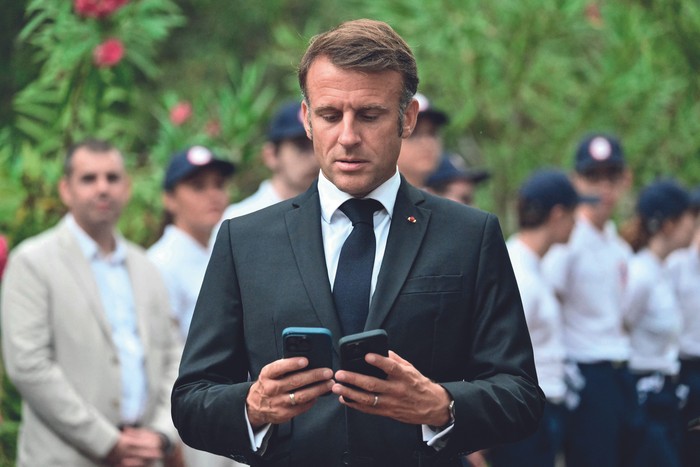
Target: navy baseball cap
599 151
287 123
187 162
663 199
547 188
452 168
426 110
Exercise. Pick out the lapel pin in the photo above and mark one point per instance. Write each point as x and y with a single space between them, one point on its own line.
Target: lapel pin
411 219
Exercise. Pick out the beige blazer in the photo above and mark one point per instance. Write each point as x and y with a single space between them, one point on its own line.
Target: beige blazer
59 352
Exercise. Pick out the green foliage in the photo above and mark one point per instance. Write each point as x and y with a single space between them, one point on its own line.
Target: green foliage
523 81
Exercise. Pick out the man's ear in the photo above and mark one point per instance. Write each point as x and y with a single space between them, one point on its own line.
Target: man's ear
64 192
306 117
168 203
410 119
268 154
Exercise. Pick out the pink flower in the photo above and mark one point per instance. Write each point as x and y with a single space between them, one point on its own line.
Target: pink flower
97 8
594 15
3 254
213 128
108 53
180 113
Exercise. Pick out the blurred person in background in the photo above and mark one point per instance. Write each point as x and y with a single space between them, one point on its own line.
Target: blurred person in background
289 155
420 152
195 196
589 274
663 224
546 205
457 184
452 180
86 331
684 270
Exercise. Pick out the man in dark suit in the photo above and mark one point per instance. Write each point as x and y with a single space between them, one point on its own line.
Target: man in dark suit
460 372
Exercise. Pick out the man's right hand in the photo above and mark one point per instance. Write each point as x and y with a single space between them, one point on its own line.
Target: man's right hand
276 398
136 447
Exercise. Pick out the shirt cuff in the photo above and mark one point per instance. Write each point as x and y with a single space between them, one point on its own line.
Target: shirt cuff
436 439
257 438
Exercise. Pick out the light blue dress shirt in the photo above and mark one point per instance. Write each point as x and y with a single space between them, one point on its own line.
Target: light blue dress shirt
112 279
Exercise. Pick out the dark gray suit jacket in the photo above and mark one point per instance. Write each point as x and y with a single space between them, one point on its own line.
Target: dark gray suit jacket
446 295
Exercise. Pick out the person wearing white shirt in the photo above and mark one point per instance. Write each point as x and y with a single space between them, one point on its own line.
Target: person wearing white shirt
195 195
545 206
663 223
87 338
589 274
684 271
289 155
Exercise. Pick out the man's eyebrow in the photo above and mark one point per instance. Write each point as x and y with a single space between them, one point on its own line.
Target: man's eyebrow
364 108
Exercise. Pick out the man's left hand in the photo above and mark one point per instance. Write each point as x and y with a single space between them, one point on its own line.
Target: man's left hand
406 395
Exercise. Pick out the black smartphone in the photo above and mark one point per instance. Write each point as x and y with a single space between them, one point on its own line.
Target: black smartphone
313 343
354 347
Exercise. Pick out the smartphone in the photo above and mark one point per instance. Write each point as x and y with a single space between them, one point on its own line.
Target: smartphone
313 343
354 347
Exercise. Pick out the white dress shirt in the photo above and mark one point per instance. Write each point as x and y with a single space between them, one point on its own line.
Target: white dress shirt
652 315
543 316
114 285
589 275
336 226
182 261
684 273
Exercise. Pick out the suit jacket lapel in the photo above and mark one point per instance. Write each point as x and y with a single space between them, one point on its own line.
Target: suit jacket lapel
75 261
403 244
304 228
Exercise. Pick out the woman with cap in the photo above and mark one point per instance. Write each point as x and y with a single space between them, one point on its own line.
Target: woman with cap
663 223
684 269
195 196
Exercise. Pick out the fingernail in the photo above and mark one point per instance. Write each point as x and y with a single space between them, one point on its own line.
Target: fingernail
328 373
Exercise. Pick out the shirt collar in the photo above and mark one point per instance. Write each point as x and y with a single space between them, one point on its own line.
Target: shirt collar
331 197
90 248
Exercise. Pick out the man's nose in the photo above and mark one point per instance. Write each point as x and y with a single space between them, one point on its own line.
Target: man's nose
348 134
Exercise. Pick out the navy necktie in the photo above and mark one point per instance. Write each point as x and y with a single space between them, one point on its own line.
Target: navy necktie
353 277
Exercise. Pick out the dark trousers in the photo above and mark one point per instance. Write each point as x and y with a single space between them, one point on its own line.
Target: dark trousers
659 427
690 376
538 450
599 428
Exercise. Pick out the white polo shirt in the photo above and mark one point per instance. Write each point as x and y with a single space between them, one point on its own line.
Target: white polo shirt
589 275
684 273
652 315
182 262
543 316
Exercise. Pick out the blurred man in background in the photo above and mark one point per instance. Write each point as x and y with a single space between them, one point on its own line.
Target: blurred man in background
452 180
86 330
